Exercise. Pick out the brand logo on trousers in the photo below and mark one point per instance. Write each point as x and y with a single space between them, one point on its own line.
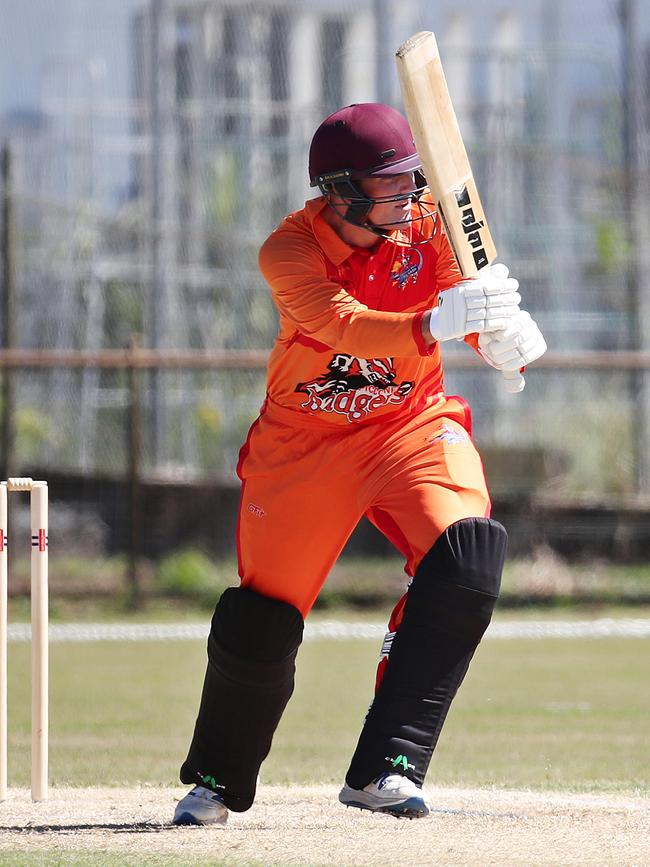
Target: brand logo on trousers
258 511
449 435
210 782
401 762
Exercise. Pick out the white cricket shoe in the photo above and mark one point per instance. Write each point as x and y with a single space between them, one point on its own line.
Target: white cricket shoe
201 806
390 793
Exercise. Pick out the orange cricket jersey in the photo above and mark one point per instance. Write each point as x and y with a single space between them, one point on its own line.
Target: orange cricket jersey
350 348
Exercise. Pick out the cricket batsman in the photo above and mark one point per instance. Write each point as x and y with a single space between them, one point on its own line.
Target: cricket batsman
356 421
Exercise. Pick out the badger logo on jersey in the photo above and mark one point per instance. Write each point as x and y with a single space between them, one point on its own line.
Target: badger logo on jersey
354 387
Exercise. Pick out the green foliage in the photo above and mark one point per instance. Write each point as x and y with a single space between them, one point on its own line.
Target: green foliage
209 419
33 431
595 464
123 316
587 440
610 141
191 573
224 188
209 429
547 578
611 248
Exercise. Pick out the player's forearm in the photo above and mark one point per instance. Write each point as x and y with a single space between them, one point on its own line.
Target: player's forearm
321 309
357 330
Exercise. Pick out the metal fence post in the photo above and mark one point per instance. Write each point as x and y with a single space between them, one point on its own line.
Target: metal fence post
134 452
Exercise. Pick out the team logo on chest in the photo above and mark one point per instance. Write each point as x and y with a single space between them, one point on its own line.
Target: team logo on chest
406 267
354 387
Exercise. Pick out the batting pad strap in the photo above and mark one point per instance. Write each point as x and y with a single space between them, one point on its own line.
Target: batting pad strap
386 645
448 608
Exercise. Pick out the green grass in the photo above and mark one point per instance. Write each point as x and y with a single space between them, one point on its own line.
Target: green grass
560 714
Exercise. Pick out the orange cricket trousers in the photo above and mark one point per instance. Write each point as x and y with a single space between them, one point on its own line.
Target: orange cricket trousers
305 488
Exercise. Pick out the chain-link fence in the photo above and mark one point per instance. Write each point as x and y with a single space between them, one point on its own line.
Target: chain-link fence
136 215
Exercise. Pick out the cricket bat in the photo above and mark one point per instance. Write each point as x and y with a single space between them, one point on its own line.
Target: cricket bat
440 146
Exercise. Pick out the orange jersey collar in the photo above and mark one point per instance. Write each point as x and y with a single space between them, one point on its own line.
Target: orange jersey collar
334 247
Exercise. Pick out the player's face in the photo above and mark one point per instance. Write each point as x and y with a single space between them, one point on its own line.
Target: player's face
387 213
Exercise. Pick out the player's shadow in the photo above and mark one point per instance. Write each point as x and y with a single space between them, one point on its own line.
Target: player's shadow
115 827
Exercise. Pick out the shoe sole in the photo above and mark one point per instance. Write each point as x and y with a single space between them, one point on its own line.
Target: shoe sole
414 808
190 819
186 819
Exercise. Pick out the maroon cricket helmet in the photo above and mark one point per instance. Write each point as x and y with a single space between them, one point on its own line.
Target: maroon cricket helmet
367 139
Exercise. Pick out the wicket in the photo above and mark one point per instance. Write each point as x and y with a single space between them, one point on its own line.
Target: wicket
39 609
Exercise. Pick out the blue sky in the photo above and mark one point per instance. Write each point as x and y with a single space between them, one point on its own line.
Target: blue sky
38 36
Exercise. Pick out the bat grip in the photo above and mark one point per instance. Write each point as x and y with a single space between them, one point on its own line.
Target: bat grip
514 381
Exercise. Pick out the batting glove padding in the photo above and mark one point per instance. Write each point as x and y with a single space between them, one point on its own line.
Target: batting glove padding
484 304
517 345
512 348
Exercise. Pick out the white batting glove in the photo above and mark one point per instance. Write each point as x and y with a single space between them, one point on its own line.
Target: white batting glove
483 304
512 348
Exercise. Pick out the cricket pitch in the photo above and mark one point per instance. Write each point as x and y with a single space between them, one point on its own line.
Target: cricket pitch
307 826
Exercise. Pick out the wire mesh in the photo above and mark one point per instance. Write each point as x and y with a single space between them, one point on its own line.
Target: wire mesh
163 140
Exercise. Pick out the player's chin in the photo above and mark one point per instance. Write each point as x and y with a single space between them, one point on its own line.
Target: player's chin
400 217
